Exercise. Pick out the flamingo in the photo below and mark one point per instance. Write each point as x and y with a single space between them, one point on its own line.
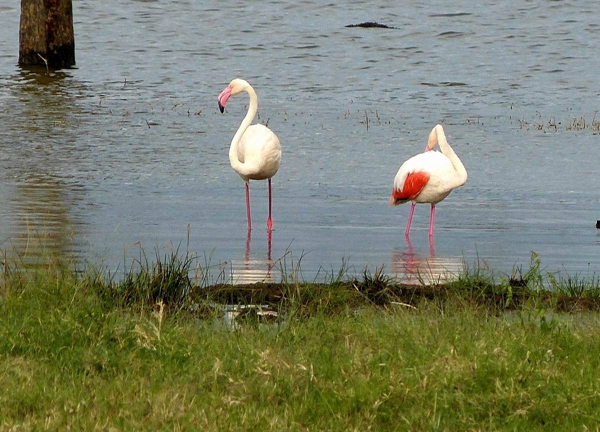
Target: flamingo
428 177
255 152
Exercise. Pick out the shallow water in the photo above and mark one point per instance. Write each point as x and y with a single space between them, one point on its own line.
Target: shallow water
129 150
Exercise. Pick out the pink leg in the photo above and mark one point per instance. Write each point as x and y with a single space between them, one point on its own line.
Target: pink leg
248 206
270 219
432 220
409 222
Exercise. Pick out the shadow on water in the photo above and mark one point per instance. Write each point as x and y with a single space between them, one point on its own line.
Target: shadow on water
37 217
412 268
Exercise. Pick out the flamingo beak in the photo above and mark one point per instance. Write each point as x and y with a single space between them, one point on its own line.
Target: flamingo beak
223 98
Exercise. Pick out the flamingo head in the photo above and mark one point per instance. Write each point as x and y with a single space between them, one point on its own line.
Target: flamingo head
433 138
235 87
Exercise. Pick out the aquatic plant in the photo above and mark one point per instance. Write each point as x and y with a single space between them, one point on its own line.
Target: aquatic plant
574 123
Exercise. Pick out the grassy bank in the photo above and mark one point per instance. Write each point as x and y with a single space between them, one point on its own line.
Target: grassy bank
151 352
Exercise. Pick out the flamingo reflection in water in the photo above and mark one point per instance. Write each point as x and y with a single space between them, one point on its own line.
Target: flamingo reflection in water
253 269
411 268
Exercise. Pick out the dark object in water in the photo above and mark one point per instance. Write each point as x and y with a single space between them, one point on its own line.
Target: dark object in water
598 224
370 24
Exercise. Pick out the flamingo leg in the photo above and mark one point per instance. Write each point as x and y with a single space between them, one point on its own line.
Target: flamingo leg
248 206
409 222
270 219
431 221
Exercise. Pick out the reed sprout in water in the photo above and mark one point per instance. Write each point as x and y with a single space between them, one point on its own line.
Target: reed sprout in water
574 123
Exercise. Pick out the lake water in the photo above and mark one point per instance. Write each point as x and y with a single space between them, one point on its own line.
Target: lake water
128 150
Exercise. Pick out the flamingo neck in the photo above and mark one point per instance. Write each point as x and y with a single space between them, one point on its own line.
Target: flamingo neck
236 164
461 171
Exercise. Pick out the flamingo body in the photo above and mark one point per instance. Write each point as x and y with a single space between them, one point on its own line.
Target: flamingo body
428 177
259 151
424 178
255 151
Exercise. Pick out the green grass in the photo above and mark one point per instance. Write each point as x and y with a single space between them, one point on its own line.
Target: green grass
151 352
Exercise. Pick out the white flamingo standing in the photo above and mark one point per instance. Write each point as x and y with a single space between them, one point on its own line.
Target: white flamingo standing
428 177
255 152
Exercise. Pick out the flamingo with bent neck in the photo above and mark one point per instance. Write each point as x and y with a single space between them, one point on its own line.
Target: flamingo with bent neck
255 151
428 177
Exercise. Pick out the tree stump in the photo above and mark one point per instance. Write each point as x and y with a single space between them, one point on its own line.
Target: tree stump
46 36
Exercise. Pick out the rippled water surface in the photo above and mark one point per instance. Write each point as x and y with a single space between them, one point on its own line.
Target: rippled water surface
129 148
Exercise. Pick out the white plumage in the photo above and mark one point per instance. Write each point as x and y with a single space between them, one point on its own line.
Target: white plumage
428 177
255 151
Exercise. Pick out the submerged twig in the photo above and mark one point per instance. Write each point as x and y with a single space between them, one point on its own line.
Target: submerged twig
45 62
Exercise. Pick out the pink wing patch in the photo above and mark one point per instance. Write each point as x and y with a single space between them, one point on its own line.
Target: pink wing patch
413 185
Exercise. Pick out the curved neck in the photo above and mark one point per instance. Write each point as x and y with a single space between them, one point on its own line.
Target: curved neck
461 171
235 142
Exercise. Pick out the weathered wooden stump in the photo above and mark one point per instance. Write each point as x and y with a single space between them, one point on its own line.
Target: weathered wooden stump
46 36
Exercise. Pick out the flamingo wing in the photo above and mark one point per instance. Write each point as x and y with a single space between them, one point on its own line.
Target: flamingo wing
260 150
411 188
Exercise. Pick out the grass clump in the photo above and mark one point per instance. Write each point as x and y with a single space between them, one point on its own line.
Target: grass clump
86 352
167 280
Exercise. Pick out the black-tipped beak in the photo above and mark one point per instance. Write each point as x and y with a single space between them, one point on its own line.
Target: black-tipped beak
221 108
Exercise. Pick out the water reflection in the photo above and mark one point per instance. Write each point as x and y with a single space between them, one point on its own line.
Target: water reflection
255 268
411 268
129 146
43 226
36 219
